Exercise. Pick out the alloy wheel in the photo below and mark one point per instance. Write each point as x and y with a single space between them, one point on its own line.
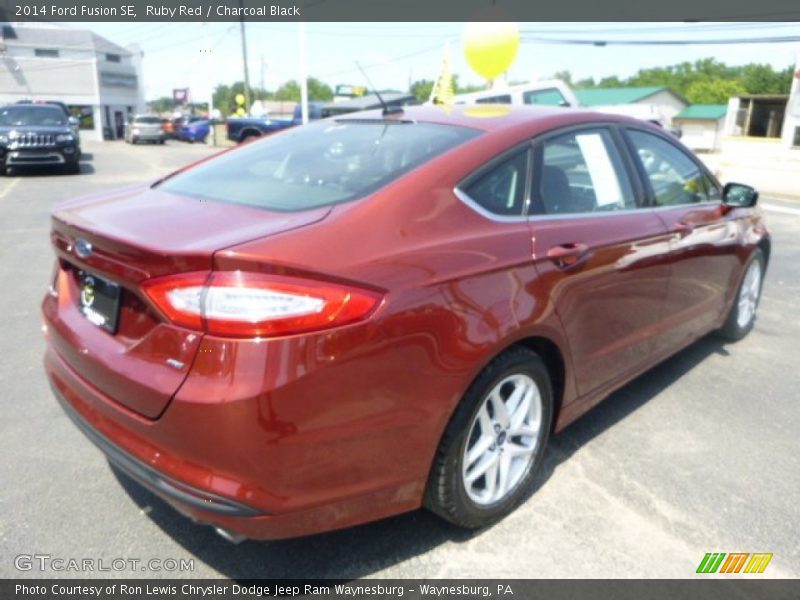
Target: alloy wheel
748 294
502 440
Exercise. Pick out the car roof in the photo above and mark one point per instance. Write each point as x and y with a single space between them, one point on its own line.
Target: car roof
492 117
35 106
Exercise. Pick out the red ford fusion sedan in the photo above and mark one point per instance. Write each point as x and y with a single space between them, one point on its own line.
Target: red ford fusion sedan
385 311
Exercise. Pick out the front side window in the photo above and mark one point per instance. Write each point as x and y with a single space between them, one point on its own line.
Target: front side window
675 177
501 190
581 172
321 164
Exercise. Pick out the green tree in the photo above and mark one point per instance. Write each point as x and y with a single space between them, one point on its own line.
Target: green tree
612 81
714 91
422 88
763 79
162 105
317 90
564 76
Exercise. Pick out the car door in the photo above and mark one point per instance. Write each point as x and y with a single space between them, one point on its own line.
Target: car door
703 242
601 252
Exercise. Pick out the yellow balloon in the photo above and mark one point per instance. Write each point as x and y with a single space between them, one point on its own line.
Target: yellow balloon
490 48
239 99
240 111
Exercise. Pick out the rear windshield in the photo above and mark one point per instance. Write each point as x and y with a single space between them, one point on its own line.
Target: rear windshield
318 165
17 116
147 121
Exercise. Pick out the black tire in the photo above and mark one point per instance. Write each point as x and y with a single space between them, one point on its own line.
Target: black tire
74 168
446 494
161 142
732 329
249 137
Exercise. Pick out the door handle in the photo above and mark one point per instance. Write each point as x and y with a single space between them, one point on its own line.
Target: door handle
682 229
567 255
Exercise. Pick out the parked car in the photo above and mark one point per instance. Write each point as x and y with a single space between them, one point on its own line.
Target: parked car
144 128
168 128
242 129
195 131
73 122
37 135
370 314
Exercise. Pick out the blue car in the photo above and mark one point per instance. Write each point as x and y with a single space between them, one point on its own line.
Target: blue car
195 131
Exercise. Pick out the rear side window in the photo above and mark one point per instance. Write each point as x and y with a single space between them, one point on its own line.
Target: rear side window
501 190
319 164
581 172
674 176
502 99
548 97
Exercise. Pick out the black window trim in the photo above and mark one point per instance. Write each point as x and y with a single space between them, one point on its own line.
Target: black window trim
645 180
611 127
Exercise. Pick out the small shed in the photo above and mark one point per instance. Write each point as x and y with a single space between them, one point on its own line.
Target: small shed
651 103
702 125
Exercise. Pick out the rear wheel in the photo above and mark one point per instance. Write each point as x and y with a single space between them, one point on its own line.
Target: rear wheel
249 137
494 443
742 315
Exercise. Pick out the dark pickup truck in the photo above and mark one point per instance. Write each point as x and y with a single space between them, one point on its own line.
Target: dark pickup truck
241 129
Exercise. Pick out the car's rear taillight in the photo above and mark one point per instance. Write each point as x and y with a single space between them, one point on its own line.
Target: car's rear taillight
243 304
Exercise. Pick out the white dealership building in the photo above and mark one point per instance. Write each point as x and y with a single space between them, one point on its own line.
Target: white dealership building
98 80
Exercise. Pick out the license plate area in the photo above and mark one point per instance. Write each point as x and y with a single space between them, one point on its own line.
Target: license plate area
99 300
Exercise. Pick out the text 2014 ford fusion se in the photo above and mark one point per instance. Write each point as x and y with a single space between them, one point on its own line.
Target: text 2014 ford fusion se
384 311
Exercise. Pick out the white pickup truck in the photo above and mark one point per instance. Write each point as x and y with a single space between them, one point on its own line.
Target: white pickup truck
554 92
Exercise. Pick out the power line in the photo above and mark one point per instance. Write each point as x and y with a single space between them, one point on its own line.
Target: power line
608 42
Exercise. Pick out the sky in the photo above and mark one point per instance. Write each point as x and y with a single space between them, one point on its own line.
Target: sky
394 54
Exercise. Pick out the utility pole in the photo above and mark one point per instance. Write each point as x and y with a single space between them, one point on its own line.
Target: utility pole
263 66
301 38
209 70
244 63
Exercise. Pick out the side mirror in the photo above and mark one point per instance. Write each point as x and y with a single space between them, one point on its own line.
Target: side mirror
74 121
739 195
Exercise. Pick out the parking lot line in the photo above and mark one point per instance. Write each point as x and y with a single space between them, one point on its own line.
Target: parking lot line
8 188
781 209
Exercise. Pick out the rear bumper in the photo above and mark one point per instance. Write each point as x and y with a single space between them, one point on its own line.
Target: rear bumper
148 136
156 482
234 463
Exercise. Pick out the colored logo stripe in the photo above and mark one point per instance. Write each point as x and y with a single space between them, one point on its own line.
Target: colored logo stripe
734 562
712 562
758 563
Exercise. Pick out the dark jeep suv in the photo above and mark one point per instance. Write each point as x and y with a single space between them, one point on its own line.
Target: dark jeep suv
37 134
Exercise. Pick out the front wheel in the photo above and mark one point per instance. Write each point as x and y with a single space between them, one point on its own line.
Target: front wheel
742 315
494 443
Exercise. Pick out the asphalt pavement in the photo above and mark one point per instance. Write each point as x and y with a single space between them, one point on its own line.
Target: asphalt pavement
701 454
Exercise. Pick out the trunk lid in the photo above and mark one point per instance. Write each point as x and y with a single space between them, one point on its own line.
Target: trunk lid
133 235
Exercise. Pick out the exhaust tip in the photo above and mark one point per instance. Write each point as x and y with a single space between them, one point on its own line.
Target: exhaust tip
230 536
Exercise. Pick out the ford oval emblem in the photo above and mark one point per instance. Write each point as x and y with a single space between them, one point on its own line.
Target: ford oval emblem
83 248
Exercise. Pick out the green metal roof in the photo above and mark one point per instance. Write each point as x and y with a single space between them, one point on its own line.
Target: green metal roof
703 112
620 95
